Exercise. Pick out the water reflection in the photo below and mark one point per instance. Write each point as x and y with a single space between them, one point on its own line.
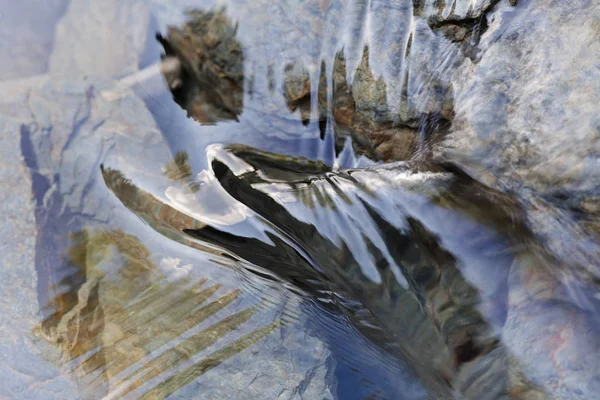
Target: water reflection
240 232
212 61
461 249
347 238
327 234
179 170
128 308
410 279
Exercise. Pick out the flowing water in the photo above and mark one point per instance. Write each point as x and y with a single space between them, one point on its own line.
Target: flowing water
369 199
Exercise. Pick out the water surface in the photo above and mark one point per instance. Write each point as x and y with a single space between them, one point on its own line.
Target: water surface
270 200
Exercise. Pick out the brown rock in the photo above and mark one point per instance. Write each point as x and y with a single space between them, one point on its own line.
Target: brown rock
212 82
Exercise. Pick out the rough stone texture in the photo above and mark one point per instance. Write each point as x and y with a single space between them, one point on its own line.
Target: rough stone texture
526 112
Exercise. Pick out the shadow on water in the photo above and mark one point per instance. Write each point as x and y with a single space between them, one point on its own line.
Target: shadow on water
321 212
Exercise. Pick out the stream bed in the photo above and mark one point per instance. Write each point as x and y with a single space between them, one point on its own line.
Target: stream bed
323 199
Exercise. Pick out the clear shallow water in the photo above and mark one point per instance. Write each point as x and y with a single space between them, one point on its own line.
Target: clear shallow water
272 246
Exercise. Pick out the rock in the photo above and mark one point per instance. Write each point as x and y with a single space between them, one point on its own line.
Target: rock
212 80
360 111
358 97
298 93
526 115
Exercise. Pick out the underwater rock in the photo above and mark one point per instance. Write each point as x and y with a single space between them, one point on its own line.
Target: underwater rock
526 118
104 293
211 86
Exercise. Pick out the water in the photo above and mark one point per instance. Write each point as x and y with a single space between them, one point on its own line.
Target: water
316 200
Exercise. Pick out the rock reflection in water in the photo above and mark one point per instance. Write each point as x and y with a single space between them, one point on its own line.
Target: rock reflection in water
411 270
128 308
363 242
269 253
373 235
460 248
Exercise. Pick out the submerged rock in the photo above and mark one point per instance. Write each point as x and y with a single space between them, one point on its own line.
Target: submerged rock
211 85
103 285
483 85
481 285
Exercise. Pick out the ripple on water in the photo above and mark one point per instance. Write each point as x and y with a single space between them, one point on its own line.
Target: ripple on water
261 213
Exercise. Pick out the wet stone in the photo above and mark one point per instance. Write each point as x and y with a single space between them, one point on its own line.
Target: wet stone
457 288
211 86
526 131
